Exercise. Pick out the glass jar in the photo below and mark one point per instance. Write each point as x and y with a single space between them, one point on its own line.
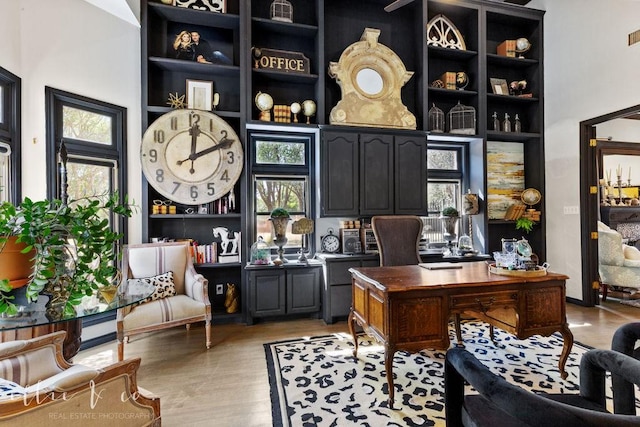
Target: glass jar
260 253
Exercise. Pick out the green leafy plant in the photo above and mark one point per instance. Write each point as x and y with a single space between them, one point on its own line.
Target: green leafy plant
525 224
450 211
74 248
279 213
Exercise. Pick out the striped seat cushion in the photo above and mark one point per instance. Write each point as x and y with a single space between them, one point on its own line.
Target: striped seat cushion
163 310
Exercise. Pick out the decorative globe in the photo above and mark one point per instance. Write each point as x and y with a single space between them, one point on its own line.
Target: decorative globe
308 108
522 45
264 101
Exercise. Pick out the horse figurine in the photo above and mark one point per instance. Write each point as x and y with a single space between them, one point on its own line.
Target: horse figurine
223 233
231 298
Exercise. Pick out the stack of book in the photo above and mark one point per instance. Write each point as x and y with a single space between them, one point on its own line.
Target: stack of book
282 113
514 212
449 80
507 48
204 254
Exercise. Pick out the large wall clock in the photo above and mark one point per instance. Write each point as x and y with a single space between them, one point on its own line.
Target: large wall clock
191 156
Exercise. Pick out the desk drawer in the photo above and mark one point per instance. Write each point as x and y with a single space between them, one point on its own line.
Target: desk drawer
484 300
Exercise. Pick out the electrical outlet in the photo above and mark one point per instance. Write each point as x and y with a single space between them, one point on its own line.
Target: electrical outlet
572 210
219 289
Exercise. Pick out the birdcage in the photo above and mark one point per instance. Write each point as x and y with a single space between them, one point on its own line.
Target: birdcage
462 119
282 10
436 119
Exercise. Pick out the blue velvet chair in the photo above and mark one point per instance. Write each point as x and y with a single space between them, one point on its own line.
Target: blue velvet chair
500 403
624 341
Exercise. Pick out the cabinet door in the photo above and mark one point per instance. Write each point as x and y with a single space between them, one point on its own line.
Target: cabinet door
339 161
410 175
303 290
267 293
376 174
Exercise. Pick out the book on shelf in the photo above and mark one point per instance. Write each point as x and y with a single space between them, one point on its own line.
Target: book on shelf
507 48
449 80
204 254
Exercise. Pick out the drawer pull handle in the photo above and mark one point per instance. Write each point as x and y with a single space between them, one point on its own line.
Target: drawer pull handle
485 307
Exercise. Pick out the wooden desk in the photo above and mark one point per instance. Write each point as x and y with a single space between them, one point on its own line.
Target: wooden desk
408 307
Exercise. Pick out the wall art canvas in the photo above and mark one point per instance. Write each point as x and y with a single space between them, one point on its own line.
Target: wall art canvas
505 176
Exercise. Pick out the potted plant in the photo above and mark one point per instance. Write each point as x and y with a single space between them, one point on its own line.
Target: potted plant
71 247
524 223
449 218
279 220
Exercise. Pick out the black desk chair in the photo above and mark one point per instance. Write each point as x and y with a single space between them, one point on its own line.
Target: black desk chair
500 403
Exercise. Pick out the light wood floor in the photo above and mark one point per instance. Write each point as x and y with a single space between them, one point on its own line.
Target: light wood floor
227 385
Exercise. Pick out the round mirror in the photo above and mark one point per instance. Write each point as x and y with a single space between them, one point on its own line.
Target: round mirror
369 81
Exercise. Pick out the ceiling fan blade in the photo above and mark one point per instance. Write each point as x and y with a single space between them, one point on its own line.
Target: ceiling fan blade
397 4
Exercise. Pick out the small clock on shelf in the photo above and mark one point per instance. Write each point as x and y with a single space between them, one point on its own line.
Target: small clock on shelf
330 242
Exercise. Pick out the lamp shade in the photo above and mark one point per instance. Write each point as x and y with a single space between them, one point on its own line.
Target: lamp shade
302 226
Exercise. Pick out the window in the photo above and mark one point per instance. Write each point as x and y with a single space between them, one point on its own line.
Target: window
93 133
444 184
281 178
9 137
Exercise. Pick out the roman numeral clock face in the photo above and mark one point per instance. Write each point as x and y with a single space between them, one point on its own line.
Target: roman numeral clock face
191 156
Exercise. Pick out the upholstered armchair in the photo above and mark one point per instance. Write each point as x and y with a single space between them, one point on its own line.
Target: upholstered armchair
183 302
618 264
624 341
499 403
38 387
398 237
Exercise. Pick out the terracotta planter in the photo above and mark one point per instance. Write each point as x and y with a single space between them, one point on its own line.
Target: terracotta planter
15 265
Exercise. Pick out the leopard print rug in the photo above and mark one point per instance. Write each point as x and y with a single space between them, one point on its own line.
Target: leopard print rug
317 382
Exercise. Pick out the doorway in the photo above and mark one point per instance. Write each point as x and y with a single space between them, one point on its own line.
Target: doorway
594 134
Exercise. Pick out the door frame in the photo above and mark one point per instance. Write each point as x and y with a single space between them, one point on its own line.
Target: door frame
590 202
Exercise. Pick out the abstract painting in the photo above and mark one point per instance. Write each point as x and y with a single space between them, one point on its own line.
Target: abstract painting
505 176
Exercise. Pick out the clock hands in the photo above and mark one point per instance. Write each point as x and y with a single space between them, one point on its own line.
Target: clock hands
194 132
225 143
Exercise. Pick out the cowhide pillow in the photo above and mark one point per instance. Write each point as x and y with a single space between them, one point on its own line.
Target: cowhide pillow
164 286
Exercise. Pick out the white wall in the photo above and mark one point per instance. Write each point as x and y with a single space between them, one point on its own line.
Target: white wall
589 71
73 46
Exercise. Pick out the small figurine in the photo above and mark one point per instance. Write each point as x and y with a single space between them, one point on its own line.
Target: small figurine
231 298
506 125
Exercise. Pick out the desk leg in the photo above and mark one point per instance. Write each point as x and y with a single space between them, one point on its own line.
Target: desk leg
352 331
567 338
388 367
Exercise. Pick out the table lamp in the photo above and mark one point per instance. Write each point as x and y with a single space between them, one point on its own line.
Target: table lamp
470 207
303 226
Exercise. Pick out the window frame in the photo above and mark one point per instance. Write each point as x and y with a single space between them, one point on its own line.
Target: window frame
460 174
10 129
272 171
114 155
55 100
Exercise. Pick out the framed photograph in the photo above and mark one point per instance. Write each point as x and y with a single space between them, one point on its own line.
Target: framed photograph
199 94
499 86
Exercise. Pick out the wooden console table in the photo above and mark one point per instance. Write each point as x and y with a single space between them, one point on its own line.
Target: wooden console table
408 307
